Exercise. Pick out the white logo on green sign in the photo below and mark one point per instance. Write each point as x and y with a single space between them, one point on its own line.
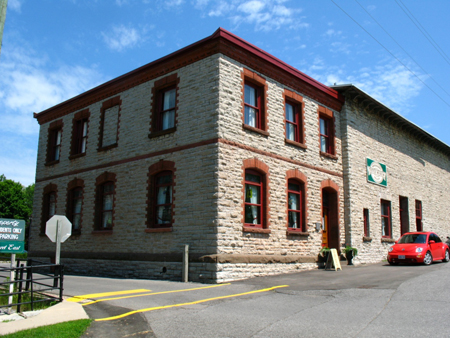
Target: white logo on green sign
376 172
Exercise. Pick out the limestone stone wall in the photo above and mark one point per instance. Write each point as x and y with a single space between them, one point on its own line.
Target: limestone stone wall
280 157
415 170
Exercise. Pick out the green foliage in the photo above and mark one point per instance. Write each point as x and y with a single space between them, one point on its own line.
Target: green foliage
324 251
72 329
16 201
348 248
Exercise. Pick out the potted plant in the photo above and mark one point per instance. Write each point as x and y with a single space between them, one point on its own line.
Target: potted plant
324 252
350 252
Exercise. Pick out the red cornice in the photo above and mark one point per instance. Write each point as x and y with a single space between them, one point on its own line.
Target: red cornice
221 41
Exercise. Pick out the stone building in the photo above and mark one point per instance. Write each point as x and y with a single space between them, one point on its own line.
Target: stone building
412 192
226 148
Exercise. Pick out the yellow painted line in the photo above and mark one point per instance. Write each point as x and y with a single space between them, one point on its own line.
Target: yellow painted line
105 294
156 293
190 303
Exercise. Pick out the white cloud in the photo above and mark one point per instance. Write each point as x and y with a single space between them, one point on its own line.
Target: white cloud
121 37
15 5
265 15
31 84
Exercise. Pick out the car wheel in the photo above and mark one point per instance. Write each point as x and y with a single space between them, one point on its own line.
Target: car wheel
446 257
428 258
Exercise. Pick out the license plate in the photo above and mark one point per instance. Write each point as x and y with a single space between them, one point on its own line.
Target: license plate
401 257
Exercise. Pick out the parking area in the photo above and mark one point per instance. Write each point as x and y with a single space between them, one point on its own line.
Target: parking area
359 301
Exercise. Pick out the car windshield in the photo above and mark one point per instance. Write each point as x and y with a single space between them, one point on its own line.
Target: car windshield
413 238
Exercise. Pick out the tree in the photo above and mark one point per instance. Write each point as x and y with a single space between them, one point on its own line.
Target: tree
16 201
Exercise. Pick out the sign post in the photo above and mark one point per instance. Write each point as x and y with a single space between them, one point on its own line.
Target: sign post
12 240
58 229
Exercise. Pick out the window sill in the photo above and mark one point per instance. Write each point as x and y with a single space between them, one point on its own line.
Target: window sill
256 130
102 232
158 133
111 146
51 163
256 230
151 230
296 144
387 240
72 157
367 239
334 157
292 232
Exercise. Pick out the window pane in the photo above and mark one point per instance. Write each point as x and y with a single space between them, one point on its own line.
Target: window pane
168 119
290 131
166 179
169 99
107 219
164 195
323 127
290 116
385 226
252 194
294 201
250 116
76 222
323 144
253 178
250 95
51 205
110 121
108 202
252 214
164 214
294 219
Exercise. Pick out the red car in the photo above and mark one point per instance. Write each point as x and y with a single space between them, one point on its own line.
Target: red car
418 247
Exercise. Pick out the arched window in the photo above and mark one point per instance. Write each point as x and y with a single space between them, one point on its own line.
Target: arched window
254 190
75 204
50 194
295 205
104 206
163 199
160 209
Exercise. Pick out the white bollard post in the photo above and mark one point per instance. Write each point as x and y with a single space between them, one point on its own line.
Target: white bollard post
185 270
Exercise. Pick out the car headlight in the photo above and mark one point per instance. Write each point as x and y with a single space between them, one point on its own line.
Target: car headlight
419 249
391 248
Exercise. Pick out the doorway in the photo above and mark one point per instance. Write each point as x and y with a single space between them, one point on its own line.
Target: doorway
330 219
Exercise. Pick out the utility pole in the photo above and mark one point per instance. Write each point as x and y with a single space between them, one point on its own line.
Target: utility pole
3 4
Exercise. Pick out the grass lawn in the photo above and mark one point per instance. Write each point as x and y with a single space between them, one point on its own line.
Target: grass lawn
72 329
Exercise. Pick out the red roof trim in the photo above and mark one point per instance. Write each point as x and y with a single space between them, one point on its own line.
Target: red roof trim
220 33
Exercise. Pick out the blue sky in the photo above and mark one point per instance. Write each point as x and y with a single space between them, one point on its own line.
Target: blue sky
397 51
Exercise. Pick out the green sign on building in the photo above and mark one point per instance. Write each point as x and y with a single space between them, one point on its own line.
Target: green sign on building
376 172
12 235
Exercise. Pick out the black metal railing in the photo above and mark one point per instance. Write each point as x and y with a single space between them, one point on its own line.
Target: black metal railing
35 283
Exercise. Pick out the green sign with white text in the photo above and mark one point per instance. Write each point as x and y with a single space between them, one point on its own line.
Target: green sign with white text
376 172
12 235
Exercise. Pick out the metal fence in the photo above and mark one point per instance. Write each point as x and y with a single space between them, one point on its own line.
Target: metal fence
34 283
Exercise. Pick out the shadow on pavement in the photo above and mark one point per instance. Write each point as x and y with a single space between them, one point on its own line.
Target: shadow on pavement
131 326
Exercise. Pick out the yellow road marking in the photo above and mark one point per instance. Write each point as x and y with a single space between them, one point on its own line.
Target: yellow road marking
190 303
105 294
156 293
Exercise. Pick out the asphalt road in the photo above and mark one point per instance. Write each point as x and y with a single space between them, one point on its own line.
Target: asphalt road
364 301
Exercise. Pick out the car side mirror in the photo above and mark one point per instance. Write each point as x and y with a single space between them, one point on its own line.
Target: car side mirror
396 242
431 242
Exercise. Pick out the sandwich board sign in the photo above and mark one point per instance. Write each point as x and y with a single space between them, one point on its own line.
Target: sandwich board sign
12 236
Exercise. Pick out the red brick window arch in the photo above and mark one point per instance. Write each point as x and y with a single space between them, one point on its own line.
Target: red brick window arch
74 207
49 198
164 105
296 201
161 197
254 98
105 202
255 196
